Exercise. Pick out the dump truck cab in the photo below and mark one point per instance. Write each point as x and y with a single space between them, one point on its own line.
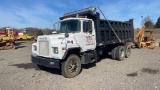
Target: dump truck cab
71 33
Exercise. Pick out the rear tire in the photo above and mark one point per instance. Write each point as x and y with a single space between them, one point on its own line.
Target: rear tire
113 53
127 51
71 67
120 53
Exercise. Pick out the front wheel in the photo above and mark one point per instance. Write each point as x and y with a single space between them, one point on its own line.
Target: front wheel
71 67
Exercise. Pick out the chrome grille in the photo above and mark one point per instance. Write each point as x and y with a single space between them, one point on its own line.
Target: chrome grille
43 48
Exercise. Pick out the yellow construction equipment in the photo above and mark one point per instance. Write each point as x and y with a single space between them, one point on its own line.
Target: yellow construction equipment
24 36
7 39
144 39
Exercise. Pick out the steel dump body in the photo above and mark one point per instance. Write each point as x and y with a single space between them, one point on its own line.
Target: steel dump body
105 35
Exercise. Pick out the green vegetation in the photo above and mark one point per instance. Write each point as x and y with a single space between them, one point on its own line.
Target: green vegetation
157 25
148 22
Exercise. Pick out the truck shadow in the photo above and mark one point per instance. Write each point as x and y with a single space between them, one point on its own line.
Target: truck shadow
26 66
17 47
19 44
53 71
104 56
57 71
33 66
87 66
91 65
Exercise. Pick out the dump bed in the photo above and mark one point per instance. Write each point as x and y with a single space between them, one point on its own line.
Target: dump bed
105 35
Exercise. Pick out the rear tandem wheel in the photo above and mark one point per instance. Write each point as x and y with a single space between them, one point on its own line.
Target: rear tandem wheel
120 53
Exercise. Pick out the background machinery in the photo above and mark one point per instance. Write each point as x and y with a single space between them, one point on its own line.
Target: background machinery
24 36
7 39
144 39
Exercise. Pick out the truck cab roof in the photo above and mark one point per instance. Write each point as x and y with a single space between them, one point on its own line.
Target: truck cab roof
72 18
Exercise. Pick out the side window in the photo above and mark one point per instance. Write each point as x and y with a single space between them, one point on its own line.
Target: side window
87 26
84 26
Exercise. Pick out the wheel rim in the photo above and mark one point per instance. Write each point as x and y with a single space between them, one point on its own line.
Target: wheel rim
73 66
122 53
128 51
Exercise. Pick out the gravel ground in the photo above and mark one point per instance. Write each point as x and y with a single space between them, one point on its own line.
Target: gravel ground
139 72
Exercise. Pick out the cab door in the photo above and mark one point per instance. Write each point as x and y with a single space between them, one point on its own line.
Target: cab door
89 35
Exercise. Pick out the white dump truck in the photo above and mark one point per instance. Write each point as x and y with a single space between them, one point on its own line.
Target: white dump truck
80 38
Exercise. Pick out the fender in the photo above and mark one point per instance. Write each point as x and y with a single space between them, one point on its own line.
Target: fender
71 51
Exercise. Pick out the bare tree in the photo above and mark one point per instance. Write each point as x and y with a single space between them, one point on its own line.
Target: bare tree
47 31
157 25
148 22
34 31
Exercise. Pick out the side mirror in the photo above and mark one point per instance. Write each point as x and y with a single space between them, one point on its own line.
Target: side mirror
54 32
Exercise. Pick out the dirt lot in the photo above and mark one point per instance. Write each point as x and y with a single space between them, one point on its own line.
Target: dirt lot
139 72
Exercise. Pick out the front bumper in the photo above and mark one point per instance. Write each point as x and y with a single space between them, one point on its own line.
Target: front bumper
47 62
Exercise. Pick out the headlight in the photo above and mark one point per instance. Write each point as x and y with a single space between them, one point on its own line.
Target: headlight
55 50
34 47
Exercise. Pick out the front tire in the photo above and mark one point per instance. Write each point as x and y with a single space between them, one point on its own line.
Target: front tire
71 67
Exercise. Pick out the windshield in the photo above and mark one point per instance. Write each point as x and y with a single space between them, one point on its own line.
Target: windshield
70 26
